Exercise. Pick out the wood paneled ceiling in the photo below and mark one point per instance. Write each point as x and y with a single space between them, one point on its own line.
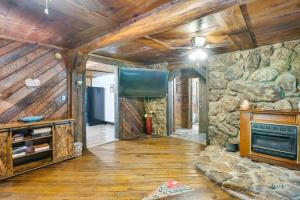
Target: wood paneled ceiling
71 23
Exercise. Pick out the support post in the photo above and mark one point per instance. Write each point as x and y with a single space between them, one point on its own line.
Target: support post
76 63
203 106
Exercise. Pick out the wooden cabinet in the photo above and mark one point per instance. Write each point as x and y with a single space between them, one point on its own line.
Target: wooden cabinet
53 141
63 141
5 155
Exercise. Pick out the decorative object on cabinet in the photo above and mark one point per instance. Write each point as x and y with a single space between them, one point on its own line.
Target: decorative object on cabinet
29 119
245 104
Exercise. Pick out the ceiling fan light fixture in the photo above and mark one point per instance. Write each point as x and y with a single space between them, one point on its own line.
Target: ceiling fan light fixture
198 54
202 55
46 8
199 41
193 55
46 11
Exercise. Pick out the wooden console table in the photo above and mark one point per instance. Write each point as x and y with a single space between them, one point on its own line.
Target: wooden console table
60 140
280 117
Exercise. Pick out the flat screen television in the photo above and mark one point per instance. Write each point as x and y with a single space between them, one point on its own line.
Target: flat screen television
143 82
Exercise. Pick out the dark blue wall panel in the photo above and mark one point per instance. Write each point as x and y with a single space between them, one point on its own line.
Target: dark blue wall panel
143 82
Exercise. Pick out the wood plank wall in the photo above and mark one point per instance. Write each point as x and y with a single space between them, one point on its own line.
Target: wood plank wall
20 61
181 103
131 117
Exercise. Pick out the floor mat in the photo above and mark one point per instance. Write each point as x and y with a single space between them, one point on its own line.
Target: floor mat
168 188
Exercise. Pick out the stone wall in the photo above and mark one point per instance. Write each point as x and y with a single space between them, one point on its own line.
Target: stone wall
159 118
158 106
268 77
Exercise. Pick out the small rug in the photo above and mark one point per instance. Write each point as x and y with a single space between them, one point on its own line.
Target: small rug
168 188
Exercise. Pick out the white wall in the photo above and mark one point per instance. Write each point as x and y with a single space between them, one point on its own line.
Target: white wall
106 81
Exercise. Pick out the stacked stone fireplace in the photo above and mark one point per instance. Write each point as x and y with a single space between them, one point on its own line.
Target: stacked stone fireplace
268 77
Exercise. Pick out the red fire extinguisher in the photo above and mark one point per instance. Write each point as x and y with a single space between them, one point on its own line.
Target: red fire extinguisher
148 123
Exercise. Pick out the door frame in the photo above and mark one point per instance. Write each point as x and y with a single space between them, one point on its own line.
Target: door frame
203 102
116 101
191 88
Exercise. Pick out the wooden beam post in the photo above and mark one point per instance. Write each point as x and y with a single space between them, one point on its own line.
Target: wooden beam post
203 108
77 71
167 16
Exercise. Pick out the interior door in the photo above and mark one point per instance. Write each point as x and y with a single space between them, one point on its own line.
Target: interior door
5 154
63 141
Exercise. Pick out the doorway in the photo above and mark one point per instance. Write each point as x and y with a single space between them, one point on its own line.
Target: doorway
187 105
100 103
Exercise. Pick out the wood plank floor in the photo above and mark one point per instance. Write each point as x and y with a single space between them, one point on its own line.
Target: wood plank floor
119 170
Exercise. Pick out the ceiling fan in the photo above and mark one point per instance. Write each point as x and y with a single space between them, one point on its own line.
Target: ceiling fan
198 48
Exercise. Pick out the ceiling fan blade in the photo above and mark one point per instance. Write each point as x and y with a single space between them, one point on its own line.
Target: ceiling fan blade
189 48
210 46
185 53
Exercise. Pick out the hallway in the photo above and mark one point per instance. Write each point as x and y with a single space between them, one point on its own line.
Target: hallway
99 134
119 170
190 134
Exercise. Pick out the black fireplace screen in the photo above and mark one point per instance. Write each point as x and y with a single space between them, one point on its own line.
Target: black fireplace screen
273 139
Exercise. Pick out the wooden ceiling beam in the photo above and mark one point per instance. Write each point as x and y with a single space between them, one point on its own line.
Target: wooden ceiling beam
233 22
243 8
113 61
165 17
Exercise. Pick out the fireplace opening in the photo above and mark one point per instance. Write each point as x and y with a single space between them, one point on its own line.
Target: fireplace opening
274 139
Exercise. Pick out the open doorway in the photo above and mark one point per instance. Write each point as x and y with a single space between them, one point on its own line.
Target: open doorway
100 103
186 108
186 112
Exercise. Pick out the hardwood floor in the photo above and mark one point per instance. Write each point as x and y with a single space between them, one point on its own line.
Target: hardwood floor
123 170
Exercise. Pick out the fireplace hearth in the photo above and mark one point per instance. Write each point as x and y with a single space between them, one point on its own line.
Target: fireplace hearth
274 139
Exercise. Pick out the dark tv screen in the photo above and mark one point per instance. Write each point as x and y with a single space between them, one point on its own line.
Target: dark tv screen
143 82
